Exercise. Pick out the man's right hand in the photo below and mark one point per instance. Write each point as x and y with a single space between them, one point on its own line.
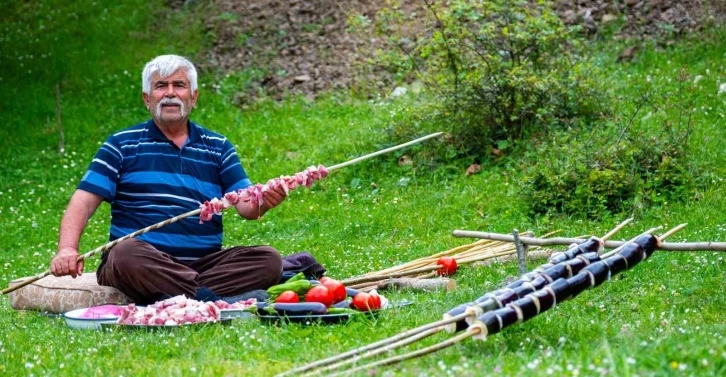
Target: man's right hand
66 262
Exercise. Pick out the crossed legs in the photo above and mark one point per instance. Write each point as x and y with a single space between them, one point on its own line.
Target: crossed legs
145 274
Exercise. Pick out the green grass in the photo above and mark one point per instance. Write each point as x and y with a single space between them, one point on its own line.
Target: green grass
665 317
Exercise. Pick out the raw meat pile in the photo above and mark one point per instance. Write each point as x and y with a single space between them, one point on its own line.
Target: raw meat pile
175 311
237 305
253 194
101 312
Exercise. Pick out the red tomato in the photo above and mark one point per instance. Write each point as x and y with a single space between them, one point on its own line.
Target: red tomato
323 279
321 294
338 289
448 266
374 301
366 302
360 301
287 297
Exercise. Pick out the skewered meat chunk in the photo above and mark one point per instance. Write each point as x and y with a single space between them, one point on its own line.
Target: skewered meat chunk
254 194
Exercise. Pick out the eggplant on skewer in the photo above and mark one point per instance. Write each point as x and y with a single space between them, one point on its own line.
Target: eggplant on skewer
564 264
534 303
540 300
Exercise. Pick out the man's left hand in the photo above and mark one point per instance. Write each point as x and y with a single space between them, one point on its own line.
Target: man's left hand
273 197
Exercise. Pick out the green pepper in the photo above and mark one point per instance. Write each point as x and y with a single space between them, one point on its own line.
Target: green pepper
300 287
296 277
334 310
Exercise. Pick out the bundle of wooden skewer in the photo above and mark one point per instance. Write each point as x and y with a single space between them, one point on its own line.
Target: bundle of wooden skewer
418 273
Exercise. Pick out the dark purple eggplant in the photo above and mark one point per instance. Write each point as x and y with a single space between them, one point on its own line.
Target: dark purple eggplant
297 309
649 243
342 304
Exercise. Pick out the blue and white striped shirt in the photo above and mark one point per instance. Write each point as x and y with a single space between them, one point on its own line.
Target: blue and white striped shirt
148 179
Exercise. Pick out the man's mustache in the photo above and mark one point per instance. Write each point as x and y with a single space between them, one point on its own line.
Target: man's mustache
169 101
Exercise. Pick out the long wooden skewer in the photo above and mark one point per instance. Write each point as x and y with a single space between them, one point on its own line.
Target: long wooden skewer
449 342
666 246
384 151
105 247
197 211
660 240
400 339
421 352
616 229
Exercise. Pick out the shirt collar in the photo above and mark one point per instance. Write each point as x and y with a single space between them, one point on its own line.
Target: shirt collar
194 134
155 132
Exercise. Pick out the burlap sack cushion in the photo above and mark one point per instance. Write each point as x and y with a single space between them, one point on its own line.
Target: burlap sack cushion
59 295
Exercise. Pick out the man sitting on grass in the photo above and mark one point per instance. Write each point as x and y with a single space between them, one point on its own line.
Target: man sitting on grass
156 170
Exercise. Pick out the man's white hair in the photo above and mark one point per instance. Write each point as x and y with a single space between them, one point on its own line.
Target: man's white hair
165 66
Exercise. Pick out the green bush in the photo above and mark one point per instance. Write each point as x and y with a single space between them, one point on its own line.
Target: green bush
622 165
577 181
497 70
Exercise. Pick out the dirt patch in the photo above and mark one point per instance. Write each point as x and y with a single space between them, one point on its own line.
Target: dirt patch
641 18
303 46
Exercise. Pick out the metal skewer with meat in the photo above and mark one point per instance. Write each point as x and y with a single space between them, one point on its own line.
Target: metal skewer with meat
252 195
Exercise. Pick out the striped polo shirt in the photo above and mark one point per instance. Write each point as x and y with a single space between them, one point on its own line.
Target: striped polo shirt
148 179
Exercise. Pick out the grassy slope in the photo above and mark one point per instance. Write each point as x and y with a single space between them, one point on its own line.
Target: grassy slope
666 317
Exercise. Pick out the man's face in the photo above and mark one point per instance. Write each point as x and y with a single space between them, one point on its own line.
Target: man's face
170 99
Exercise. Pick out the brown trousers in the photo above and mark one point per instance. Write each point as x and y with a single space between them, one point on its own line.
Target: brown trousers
145 274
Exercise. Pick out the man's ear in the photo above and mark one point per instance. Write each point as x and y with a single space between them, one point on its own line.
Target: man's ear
147 102
195 96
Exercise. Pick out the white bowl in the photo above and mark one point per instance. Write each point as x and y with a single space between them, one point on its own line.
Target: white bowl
74 321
